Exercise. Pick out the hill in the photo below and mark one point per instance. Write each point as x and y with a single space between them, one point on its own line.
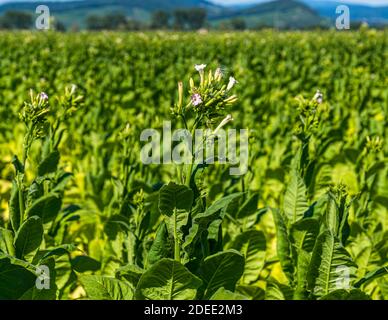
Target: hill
288 14
75 12
373 15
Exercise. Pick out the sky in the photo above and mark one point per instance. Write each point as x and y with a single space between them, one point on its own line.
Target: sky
369 2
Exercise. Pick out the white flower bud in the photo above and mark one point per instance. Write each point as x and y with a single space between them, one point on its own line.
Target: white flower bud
232 82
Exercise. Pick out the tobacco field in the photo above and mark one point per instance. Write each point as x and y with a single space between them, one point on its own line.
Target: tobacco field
82 217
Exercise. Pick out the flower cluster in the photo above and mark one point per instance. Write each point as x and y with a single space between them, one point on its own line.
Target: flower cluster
68 103
34 113
210 98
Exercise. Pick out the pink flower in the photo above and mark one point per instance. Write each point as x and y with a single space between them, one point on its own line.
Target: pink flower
196 99
43 96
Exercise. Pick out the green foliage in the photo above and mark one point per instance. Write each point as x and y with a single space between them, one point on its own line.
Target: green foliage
167 280
307 221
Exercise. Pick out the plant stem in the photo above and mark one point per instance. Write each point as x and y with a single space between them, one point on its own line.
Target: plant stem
177 249
21 197
190 167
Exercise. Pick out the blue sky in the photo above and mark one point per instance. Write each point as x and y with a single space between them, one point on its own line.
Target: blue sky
370 2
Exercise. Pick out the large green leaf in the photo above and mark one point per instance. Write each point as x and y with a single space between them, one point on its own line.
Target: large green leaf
6 241
283 245
249 207
383 285
167 280
173 196
85 263
222 269
342 294
303 264
106 288
303 234
251 291
44 293
202 220
49 163
14 207
252 245
46 207
162 246
331 266
14 280
375 274
295 199
278 291
336 216
29 236
223 294
131 273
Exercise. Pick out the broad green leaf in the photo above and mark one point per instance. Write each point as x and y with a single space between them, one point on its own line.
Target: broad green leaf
14 280
252 245
167 280
303 264
49 164
64 272
295 199
303 234
336 216
14 207
19 168
173 196
375 274
223 294
383 285
6 241
249 207
202 220
332 215
46 207
85 263
342 294
221 270
58 251
278 291
44 293
331 266
161 247
29 237
251 291
106 288
283 245
131 273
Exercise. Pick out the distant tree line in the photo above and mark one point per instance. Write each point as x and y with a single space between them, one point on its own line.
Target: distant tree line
16 20
180 19
20 20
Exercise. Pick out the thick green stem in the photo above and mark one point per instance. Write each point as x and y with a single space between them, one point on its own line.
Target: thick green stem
177 248
20 176
191 165
189 171
21 198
